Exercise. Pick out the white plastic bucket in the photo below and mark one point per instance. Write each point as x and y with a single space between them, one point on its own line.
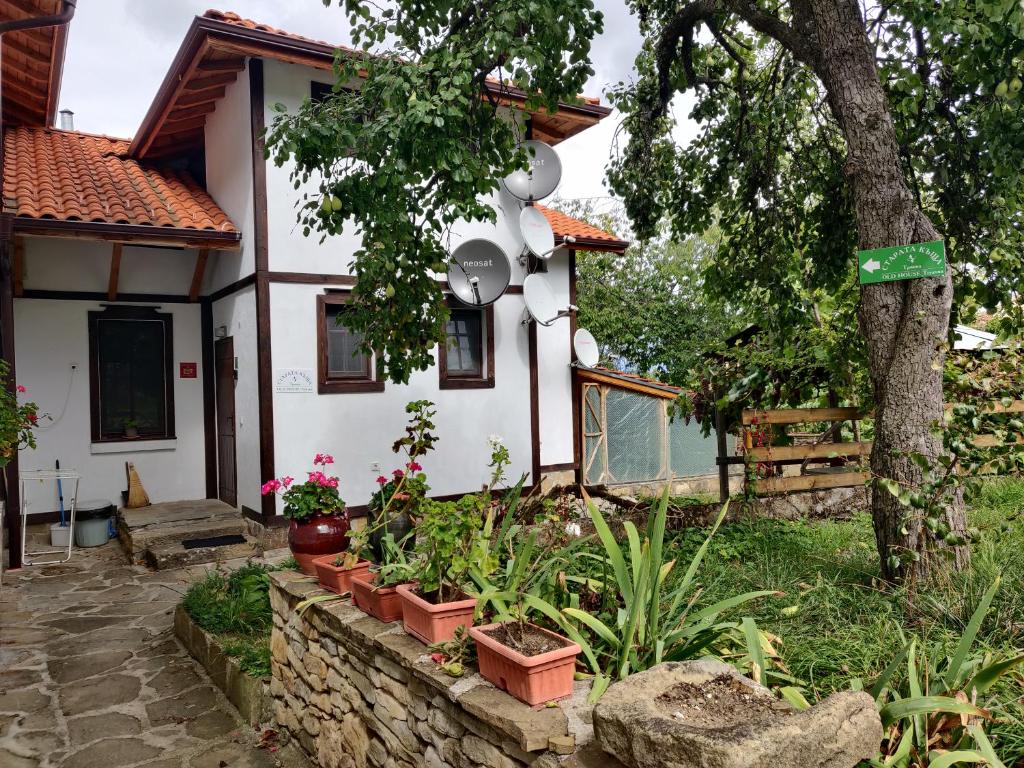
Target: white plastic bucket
60 535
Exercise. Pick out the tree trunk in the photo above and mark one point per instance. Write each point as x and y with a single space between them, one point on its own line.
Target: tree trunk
904 323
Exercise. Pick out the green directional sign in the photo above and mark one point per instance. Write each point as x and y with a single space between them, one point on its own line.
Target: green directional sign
902 262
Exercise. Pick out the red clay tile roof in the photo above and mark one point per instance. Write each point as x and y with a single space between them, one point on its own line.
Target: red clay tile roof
233 18
71 176
585 234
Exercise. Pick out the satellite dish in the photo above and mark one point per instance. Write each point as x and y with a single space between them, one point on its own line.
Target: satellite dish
537 233
545 171
540 299
585 344
479 272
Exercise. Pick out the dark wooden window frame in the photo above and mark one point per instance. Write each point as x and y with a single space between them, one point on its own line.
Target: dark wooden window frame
372 382
130 313
455 381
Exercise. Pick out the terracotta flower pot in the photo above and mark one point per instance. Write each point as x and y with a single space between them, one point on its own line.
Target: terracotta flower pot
317 535
534 679
434 622
380 602
335 578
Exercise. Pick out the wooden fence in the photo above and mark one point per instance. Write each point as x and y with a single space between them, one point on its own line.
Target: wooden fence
847 460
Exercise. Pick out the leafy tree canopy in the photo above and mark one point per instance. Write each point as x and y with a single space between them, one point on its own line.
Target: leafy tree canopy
769 166
422 141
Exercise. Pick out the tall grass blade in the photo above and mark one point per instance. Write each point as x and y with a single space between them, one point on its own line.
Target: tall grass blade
969 635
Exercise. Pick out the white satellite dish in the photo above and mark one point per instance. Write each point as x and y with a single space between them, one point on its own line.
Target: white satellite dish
540 299
541 178
479 272
537 233
585 344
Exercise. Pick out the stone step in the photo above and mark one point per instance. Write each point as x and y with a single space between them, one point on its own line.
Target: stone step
139 540
174 555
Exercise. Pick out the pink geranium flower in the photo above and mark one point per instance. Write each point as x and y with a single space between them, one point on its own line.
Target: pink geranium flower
382 480
21 388
414 466
287 481
398 473
270 487
323 459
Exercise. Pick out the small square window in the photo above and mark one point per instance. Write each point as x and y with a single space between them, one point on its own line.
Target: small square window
467 359
131 392
343 366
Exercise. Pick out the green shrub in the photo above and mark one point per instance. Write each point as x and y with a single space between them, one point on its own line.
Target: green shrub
235 607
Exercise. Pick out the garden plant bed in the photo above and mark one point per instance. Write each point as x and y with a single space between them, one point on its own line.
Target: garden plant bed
249 694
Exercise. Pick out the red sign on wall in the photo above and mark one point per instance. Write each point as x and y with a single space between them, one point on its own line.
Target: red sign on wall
187 370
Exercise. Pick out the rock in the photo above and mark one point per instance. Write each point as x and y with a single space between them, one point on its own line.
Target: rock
110 753
98 693
343 743
82 730
704 713
80 667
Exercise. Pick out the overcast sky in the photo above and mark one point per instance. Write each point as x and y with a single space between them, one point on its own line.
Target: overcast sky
120 50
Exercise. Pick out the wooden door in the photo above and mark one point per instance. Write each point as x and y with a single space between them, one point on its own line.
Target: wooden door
224 354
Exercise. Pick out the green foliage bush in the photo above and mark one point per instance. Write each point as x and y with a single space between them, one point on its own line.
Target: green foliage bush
235 607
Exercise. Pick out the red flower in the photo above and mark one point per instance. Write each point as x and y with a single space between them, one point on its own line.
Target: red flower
270 487
398 473
382 480
21 388
414 466
323 459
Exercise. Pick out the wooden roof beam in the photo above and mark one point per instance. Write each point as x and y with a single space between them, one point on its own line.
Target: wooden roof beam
115 272
197 274
202 83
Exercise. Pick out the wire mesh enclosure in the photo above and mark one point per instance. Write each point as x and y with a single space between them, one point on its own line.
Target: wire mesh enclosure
629 438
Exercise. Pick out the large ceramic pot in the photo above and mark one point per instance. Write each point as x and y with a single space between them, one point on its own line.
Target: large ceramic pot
398 524
315 536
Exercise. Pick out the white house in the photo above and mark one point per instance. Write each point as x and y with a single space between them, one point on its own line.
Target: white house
160 283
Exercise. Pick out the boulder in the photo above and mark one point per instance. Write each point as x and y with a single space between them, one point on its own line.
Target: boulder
704 714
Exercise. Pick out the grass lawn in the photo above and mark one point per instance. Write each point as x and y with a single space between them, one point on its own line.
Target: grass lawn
846 623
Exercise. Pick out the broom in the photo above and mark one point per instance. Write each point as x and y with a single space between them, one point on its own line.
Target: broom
137 496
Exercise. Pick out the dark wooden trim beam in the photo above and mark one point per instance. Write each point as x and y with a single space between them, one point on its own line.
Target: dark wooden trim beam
19 267
197 274
534 404
264 363
139 234
209 408
122 298
564 467
576 386
231 288
115 272
12 511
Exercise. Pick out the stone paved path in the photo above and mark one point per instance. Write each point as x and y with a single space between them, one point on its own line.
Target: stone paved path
92 677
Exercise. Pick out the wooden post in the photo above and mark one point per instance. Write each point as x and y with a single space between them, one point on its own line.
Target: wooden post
12 512
197 275
723 456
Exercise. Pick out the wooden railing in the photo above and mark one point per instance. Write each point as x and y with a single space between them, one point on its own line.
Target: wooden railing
849 459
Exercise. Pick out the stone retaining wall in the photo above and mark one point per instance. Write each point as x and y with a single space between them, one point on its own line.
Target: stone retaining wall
355 692
249 694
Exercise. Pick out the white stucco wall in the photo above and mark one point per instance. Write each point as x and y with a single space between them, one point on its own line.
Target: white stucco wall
67 264
236 314
360 428
229 179
51 336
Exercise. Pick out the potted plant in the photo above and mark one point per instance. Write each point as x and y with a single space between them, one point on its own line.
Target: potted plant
336 572
319 523
376 593
448 539
393 507
131 429
532 663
